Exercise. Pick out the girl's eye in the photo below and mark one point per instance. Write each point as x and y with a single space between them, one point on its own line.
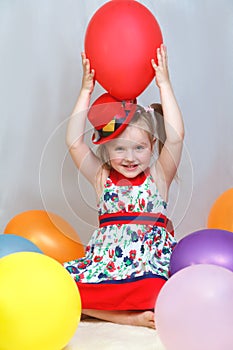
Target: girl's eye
119 149
139 147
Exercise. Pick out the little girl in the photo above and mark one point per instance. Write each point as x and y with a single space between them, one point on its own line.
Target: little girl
127 258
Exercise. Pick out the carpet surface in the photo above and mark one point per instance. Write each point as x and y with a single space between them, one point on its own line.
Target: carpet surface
97 335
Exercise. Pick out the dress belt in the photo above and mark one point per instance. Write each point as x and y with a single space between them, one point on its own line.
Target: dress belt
154 219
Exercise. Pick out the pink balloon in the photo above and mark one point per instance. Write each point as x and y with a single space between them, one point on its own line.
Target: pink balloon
194 309
120 41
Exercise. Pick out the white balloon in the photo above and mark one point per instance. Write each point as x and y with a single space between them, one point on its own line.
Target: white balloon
194 309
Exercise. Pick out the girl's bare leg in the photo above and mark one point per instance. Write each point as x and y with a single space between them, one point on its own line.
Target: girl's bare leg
132 318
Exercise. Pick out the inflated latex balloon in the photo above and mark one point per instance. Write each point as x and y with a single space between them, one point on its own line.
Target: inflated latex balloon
48 231
208 246
39 302
120 41
194 310
221 213
10 244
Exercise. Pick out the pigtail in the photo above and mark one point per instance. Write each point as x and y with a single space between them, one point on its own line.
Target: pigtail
160 126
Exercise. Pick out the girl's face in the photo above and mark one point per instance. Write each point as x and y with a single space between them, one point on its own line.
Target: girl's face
130 153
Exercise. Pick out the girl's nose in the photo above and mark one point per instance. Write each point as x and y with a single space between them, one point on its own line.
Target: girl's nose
129 155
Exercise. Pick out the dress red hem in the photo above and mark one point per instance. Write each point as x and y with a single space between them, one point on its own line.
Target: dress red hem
136 295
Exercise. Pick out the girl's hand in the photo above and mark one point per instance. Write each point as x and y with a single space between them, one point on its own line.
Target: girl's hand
161 70
88 81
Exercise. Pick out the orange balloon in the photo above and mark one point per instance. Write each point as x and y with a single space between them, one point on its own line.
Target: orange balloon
52 234
221 213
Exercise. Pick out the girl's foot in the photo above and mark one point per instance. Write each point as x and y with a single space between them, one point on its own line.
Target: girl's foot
145 319
131 318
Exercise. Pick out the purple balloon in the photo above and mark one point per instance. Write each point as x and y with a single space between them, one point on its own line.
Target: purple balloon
209 246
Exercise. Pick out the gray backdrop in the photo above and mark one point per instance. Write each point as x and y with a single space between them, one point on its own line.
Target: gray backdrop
40 77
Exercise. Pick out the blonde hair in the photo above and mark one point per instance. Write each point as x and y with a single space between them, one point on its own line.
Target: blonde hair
153 125
160 126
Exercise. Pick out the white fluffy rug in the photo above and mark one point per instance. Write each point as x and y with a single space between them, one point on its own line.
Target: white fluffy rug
97 335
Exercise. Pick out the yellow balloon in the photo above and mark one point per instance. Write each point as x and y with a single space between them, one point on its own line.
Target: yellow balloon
40 305
221 213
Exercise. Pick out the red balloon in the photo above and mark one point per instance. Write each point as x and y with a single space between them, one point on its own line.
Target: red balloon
120 41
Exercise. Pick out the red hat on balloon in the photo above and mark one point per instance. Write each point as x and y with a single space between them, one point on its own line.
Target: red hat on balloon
110 117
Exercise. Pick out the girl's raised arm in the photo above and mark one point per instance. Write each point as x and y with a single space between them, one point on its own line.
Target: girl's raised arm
170 155
82 155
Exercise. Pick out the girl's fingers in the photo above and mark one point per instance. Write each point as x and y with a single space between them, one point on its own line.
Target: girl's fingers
86 66
161 70
83 56
154 65
164 54
163 49
159 55
85 62
92 73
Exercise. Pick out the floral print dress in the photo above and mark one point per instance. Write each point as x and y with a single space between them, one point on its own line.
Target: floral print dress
127 257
